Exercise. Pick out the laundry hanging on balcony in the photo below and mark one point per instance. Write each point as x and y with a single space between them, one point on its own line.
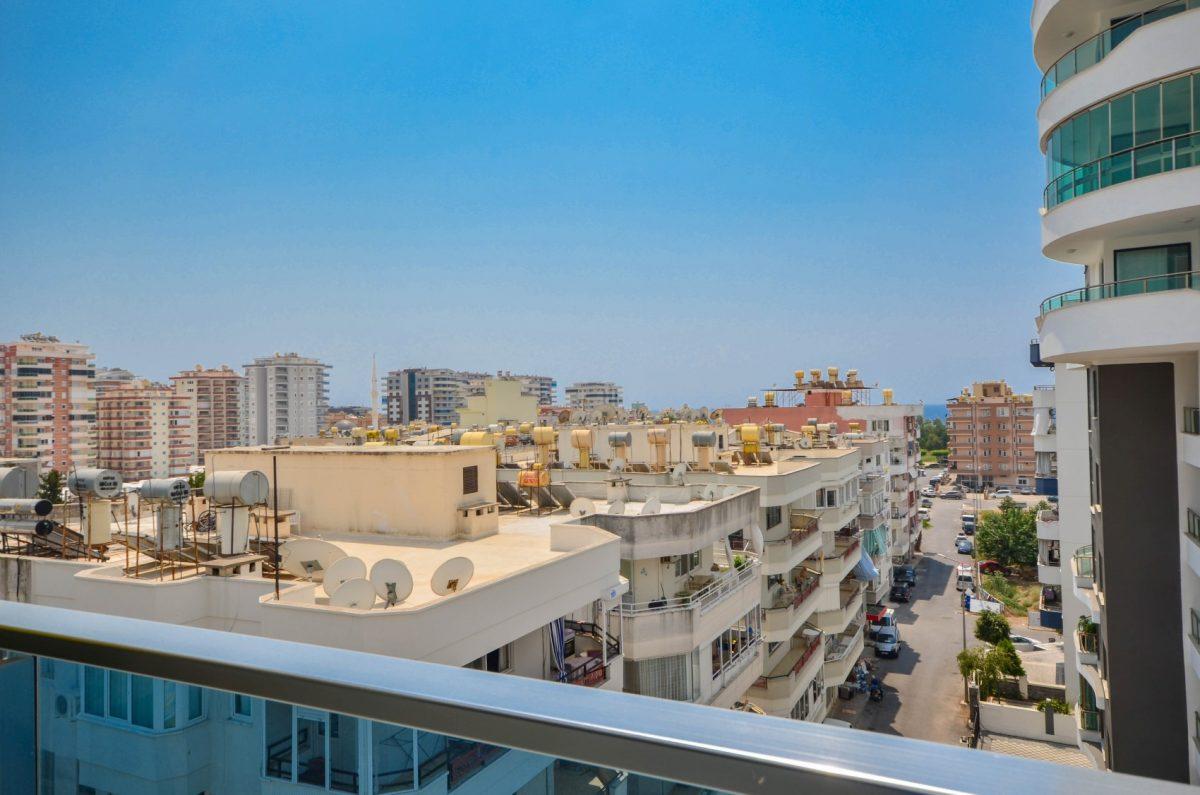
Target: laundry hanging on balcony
865 568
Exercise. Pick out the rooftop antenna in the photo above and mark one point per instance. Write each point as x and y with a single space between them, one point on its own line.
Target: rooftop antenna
374 395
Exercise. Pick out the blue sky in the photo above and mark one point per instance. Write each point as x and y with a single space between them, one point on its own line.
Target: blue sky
692 199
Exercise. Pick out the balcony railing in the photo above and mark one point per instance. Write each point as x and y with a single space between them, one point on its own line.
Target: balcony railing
703 597
1089 642
1187 280
1159 157
1083 562
1191 417
1193 526
1090 719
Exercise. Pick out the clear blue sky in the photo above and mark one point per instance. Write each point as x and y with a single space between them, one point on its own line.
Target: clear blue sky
689 199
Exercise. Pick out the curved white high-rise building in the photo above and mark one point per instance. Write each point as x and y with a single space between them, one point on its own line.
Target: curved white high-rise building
1119 124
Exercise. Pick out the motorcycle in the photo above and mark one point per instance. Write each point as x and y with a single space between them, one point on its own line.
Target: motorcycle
876 691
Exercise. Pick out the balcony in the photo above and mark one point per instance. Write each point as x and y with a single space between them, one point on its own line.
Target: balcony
789 607
841 652
801 542
849 607
677 625
781 687
1047 525
455 722
598 650
836 564
1087 647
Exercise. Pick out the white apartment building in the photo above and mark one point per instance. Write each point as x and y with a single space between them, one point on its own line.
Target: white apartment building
1119 123
214 399
542 387
594 394
426 394
539 597
144 430
286 397
47 401
1049 560
814 500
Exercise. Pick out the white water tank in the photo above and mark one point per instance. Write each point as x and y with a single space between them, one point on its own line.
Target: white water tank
102 484
165 490
237 487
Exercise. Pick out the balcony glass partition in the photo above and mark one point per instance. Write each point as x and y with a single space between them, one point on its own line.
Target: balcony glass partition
91 703
1148 131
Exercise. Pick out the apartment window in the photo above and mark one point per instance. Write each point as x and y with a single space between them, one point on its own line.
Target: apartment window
685 564
676 677
240 706
774 516
308 746
130 700
470 479
1153 261
496 661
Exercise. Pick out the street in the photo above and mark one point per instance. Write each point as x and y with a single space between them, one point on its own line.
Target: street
923 692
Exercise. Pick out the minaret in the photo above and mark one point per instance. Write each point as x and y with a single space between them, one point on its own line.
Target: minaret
374 395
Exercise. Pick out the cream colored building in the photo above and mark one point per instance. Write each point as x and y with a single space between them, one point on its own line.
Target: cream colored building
498 400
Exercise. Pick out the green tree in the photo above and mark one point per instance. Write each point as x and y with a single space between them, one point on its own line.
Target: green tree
933 435
196 480
1008 662
991 627
989 666
50 487
1008 535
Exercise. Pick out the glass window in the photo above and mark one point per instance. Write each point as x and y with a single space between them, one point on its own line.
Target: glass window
392 751
343 753
93 691
310 747
1080 148
1147 115
242 705
142 691
118 695
1177 107
195 703
1120 123
278 741
1141 263
168 705
1098 132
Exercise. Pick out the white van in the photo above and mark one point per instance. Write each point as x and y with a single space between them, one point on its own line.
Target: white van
966 578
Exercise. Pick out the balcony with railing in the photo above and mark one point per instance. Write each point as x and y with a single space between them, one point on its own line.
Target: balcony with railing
788 607
705 607
841 652
802 540
336 719
840 557
597 651
848 607
782 685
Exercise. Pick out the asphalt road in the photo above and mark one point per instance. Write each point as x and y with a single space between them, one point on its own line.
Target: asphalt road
923 692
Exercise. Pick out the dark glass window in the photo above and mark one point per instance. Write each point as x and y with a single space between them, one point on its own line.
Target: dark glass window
774 515
1121 123
470 479
1147 115
1177 107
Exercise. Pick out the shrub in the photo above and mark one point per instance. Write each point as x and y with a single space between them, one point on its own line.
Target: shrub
1007 660
991 628
1086 626
739 562
1054 705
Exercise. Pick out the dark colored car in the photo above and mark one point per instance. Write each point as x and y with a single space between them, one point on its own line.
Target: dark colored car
993 567
901 592
906 575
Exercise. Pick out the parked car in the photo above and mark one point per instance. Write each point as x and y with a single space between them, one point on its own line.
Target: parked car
965 579
926 502
936 480
1024 490
1052 499
993 567
964 545
952 494
921 473
1000 494
901 592
929 491
887 641
923 514
904 574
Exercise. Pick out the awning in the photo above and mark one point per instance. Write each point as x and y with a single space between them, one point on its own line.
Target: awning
865 568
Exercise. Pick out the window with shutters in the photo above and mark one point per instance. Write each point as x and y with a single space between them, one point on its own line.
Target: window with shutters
470 479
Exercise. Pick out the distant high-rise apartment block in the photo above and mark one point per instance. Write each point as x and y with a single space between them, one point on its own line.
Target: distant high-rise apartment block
144 430
591 394
435 394
107 377
215 399
1119 126
47 401
990 430
287 396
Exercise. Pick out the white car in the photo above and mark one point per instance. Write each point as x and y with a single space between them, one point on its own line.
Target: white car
928 491
1000 494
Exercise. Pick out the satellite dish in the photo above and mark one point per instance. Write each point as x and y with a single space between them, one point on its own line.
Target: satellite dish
652 506
617 507
452 576
730 491
309 557
709 494
582 506
343 569
677 472
357 593
392 580
756 540
805 441
617 465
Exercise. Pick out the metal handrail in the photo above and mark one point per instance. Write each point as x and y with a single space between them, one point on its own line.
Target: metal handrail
702 597
1092 172
1102 41
1181 280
